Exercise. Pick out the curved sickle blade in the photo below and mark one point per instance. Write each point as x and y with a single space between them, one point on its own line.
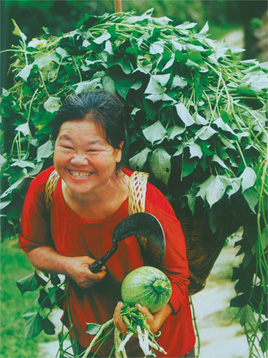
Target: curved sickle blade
143 225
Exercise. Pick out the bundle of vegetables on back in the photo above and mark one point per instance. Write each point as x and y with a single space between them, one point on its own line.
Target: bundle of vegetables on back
197 125
146 286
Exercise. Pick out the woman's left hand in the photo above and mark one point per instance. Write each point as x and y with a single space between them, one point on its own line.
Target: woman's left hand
155 321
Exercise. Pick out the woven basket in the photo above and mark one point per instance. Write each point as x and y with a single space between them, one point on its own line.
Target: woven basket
202 247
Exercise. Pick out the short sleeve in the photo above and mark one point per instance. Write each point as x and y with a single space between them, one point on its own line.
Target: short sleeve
35 223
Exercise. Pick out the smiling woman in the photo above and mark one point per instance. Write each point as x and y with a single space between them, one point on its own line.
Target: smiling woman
86 162
90 199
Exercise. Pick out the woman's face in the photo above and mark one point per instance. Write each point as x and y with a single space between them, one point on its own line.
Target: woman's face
83 158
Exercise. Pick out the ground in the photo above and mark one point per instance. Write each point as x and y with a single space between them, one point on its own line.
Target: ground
220 332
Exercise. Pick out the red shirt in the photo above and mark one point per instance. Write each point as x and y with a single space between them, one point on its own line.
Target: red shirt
72 235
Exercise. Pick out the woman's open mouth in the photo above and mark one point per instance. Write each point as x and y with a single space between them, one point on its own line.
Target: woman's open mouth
79 174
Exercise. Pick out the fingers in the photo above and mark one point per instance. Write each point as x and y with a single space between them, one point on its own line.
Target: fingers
118 320
79 271
145 311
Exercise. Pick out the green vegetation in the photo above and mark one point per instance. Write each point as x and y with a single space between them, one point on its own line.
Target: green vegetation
14 266
197 125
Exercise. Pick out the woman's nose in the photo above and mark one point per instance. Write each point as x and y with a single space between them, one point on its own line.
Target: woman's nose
79 159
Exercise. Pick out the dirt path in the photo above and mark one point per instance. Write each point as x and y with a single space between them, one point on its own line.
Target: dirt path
221 335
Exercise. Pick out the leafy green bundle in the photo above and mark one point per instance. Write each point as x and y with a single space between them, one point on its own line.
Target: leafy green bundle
197 124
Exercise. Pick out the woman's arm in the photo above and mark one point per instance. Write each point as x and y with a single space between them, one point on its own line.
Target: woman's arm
46 259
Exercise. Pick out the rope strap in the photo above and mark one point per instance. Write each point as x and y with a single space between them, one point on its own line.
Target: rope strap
137 196
50 187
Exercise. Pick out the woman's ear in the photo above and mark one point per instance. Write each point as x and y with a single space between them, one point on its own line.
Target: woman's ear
119 152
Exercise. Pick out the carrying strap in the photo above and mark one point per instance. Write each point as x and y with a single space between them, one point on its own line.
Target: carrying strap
136 198
50 187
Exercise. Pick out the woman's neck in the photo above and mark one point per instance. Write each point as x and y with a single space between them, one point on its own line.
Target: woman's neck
101 203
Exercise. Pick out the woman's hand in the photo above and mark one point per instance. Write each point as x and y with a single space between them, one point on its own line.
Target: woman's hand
79 270
155 321
118 320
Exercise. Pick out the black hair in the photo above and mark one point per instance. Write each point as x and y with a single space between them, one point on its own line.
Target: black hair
102 107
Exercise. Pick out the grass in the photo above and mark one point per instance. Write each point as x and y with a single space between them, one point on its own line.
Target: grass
13 306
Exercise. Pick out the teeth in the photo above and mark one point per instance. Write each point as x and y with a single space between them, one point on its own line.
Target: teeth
79 174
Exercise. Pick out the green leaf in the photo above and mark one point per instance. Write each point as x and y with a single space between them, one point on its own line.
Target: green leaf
25 72
178 81
23 164
138 161
195 57
224 126
195 149
32 324
160 98
17 31
184 114
48 327
248 178
43 60
156 84
169 63
233 186
239 301
86 86
155 133
212 190
102 38
125 64
175 131
28 283
204 29
14 186
247 316
123 86
218 160
188 166
45 150
252 197
264 238
63 53
199 119
36 43
52 104
4 204
108 84
157 47
23 128
205 133
44 299
161 165
264 342
191 198
93 328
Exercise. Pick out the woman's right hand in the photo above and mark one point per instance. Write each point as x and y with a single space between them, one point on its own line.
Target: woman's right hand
79 271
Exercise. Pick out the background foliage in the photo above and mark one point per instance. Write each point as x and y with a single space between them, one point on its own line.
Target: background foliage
197 124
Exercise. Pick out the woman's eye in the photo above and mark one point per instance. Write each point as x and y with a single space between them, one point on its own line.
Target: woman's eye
67 147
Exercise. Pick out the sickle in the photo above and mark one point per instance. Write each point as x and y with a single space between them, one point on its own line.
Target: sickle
142 225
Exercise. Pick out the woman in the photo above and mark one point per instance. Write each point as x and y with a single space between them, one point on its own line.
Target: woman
90 199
